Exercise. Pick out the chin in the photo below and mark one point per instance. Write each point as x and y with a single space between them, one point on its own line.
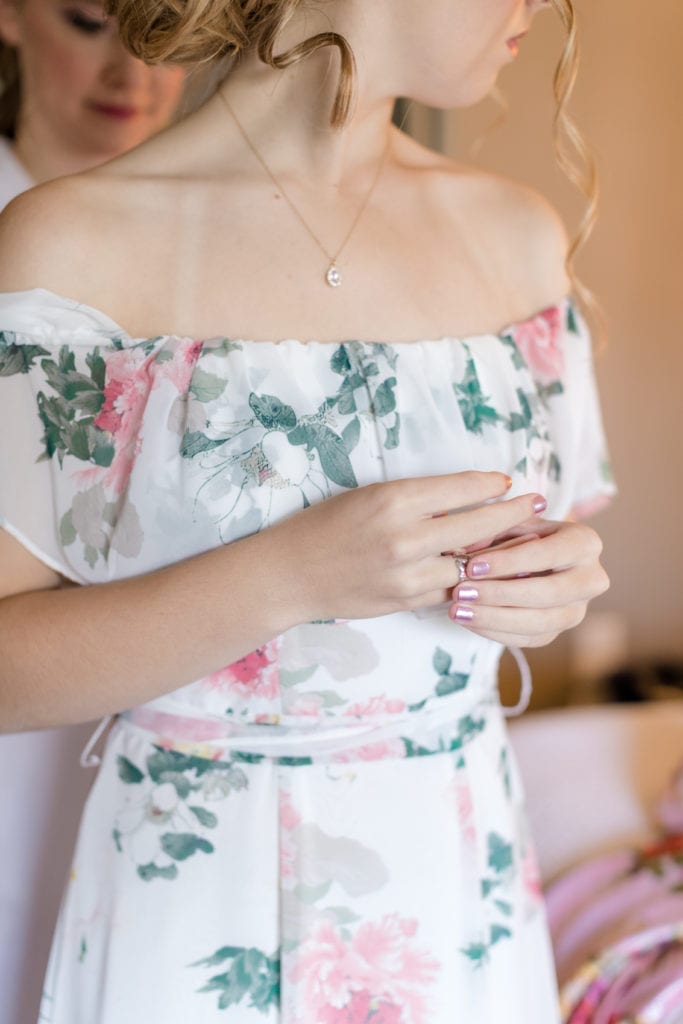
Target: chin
463 93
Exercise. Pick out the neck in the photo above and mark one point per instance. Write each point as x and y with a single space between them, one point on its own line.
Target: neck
46 156
286 113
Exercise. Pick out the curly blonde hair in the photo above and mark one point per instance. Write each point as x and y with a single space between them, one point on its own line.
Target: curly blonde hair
573 154
193 32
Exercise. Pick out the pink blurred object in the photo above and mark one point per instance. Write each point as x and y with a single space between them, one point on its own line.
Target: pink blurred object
617 928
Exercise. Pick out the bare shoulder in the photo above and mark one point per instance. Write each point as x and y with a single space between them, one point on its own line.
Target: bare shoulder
521 231
45 233
505 226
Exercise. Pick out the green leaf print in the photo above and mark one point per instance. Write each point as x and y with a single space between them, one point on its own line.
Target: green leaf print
252 976
340 362
67 530
478 952
450 682
98 369
474 407
384 399
271 412
195 442
572 324
518 360
204 817
169 788
181 845
441 661
74 387
128 772
149 871
351 434
334 461
500 853
17 358
498 932
391 440
207 387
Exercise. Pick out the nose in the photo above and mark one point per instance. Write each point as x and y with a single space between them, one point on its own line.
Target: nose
121 70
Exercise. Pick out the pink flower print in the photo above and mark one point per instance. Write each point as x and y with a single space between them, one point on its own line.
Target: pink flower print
373 751
127 387
179 369
379 968
538 340
378 705
130 377
289 819
364 1008
465 809
306 705
255 675
531 875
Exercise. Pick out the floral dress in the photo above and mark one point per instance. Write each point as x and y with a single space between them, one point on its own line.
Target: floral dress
330 830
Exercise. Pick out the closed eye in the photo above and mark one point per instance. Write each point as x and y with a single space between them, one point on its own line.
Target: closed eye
90 26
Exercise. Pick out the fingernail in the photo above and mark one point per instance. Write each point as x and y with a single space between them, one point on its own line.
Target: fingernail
479 568
467 594
508 482
462 614
540 504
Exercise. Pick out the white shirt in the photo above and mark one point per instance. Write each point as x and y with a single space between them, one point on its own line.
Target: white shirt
14 178
40 803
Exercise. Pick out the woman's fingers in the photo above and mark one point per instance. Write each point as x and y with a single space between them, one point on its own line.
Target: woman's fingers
522 622
581 583
571 544
436 495
459 531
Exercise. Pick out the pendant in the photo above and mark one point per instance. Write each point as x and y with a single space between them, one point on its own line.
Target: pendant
333 276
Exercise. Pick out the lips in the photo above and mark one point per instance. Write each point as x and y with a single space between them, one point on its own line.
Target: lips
513 43
115 111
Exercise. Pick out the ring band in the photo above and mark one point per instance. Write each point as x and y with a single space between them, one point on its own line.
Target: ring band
461 562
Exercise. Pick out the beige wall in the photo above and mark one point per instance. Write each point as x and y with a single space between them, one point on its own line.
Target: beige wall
629 101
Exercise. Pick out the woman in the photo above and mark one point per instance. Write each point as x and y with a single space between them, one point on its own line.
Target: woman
72 97
310 813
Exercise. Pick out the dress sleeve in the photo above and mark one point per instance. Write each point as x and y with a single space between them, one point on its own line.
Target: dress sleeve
591 479
27 499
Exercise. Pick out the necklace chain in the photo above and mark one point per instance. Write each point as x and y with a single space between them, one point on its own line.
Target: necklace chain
333 275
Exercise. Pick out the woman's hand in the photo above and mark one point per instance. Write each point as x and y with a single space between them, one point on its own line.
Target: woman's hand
380 549
530 589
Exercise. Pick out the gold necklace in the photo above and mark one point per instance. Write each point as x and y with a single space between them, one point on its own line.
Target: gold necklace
333 276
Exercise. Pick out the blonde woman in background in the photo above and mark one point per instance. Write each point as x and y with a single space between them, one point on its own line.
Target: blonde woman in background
307 810
71 98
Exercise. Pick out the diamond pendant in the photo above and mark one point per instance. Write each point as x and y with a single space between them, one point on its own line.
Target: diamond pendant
333 276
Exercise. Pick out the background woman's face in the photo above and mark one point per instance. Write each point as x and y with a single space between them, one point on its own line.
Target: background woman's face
78 80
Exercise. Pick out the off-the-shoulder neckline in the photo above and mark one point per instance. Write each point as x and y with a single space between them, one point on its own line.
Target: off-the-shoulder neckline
118 333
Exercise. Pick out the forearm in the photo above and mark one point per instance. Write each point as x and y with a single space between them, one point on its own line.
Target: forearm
75 654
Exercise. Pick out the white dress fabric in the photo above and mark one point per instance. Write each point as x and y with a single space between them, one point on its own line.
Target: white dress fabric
330 830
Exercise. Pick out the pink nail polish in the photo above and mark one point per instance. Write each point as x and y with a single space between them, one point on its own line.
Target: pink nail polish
462 614
479 568
540 504
467 594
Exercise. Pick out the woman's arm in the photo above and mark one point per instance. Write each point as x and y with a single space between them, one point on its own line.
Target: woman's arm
71 654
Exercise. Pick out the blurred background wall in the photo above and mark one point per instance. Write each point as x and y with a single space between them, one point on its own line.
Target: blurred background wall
628 102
